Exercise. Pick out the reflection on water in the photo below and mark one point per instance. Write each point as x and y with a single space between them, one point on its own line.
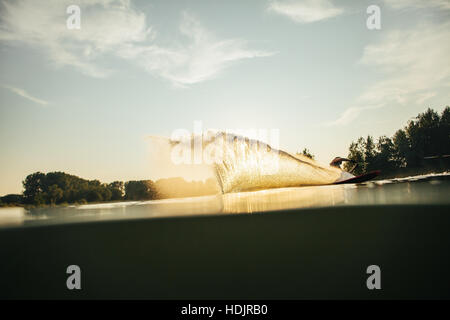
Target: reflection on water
417 190
284 198
12 216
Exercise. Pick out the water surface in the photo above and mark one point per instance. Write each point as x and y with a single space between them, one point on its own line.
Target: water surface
428 189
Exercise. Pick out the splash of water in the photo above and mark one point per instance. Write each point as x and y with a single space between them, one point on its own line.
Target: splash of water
252 165
243 164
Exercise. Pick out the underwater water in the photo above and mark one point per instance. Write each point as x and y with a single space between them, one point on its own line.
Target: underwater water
428 189
282 243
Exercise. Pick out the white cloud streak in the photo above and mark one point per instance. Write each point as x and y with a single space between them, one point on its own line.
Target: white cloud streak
350 114
305 11
116 28
418 4
106 25
414 65
203 58
22 93
415 62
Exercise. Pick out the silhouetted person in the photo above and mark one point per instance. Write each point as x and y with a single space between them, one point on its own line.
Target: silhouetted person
336 162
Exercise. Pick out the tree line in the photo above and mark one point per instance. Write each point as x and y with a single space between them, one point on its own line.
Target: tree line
60 188
56 188
423 145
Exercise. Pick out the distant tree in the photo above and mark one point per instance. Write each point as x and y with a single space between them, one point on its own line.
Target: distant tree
95 183
425 137
429 129
444 132
54 194
11 199
307 153
140 190
60 179
357 154
40 199
401 148
57 187
105 192
369 154
33 185
117 190
416 142
384 157
94 195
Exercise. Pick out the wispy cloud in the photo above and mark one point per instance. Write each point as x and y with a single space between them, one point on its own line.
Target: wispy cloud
414 61
414 65
26 95
418 4
202 58
350 114
105 26
305 11
117 28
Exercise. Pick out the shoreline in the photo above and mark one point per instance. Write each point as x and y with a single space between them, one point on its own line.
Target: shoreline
406 175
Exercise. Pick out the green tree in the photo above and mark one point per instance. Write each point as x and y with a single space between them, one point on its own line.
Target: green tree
384 157
369 154
11 199
401 148
54 194
105 192
356 153
419 145
117 190
56 187
40 199
33 186
444 132
423 136
94 195
140 190
307 153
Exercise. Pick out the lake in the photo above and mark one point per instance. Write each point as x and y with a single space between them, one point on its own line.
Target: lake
427 189
290 243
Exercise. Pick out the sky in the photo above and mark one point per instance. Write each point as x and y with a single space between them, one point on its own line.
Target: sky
84 101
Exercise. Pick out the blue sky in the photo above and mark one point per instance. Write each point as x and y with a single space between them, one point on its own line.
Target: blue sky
84 101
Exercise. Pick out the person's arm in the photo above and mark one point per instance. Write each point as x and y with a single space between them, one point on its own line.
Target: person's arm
336 162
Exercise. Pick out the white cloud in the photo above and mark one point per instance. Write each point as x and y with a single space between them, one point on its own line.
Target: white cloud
26 95
201 59
418 4
413 63
346 117
305 11
117 28
351 114
105 26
